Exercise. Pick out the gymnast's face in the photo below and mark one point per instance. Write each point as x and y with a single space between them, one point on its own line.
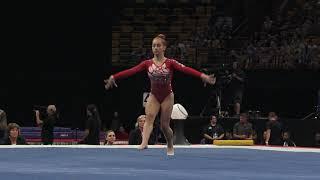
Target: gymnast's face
158 46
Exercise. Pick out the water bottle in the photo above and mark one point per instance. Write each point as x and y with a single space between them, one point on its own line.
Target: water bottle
215 135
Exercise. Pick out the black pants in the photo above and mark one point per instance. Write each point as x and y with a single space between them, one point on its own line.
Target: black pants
47 138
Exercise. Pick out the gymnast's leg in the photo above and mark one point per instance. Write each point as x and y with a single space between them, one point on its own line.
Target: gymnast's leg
165 117
152 109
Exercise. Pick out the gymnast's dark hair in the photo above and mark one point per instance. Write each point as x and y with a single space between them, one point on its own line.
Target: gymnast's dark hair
163 38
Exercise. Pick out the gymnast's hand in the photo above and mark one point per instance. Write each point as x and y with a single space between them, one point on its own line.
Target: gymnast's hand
110 83
210 79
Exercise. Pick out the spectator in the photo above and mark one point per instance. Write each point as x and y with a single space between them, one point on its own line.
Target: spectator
235 88
115 124
317 139
255 137
135 136
122 134
286 140
267 24
14 137
183 51
213 131
243 129
273 130
3 123
93 126
47 124
318 105
110 137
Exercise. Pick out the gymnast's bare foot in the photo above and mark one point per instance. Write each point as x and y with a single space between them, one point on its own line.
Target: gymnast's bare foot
170 151
142 147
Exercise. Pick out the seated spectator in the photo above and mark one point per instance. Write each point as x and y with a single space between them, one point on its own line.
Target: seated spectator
286 140
242 130
135 136
14 137
3 123
273 130
122 134
213 131
110 137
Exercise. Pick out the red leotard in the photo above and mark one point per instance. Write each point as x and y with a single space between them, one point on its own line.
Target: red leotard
160 76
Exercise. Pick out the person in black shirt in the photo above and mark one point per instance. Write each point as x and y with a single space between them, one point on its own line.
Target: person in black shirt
116 121
237 84
273 130
47 124
318 105
213 131
317 139
235 87
13 136
3 123
286 140
93 126
135 136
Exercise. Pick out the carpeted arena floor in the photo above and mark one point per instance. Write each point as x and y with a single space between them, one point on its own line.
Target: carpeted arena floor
127 163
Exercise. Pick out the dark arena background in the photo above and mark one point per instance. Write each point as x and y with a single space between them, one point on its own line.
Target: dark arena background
61 52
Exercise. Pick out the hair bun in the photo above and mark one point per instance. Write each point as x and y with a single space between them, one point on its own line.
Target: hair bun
162 36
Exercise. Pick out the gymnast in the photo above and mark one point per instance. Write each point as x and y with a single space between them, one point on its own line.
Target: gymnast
160 71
